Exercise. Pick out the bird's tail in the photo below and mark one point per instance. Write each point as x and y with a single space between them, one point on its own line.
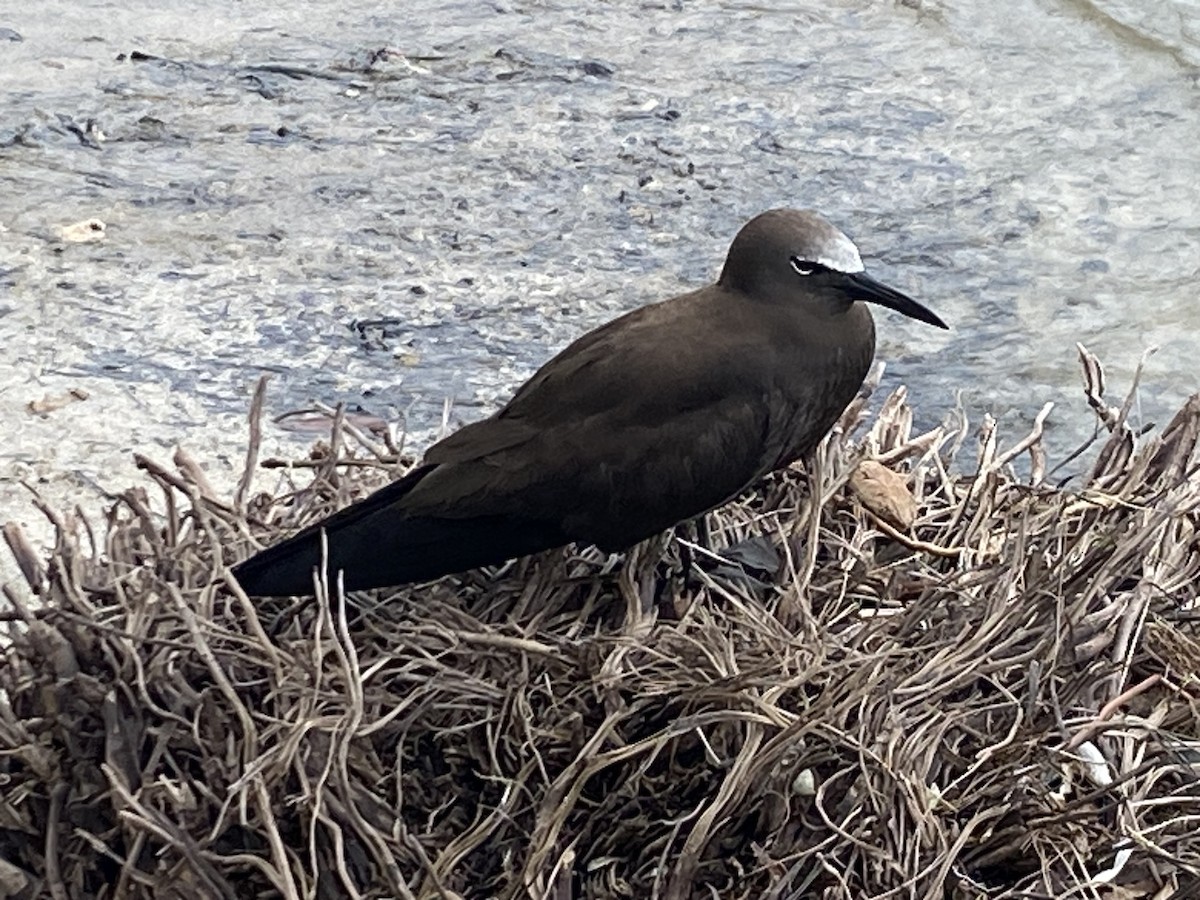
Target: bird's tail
375 543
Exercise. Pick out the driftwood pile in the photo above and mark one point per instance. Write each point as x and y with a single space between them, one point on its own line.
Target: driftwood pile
926 676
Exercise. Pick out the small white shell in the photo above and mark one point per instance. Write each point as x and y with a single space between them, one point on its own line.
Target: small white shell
1095 766
805 783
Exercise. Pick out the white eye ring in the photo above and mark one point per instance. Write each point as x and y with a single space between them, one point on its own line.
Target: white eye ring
803 267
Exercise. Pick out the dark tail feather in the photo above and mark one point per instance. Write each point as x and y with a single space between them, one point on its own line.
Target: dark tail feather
376 544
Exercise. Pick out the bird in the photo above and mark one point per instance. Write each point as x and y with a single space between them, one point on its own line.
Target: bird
655 418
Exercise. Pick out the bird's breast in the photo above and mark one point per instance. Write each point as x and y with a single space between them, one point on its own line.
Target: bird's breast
821 373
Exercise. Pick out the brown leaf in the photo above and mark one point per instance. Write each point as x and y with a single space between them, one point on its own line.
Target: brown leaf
885 493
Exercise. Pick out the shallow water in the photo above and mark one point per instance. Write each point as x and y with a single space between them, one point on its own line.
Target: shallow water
492 181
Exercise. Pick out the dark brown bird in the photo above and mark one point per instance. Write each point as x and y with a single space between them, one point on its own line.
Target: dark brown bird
656 417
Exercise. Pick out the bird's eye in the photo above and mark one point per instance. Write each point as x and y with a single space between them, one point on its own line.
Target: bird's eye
805 266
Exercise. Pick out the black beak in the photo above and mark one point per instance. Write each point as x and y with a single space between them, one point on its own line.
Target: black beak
861 286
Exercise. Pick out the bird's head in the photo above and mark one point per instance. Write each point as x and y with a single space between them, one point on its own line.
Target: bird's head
796 256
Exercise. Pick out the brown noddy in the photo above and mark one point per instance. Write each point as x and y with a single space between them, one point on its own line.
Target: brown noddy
659 416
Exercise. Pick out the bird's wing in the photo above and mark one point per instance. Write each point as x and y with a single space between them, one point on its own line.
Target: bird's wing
610 478
654 474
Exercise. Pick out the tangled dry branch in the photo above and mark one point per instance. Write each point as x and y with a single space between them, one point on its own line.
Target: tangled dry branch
900 682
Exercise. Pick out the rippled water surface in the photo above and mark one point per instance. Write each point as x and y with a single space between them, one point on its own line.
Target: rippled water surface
393 209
